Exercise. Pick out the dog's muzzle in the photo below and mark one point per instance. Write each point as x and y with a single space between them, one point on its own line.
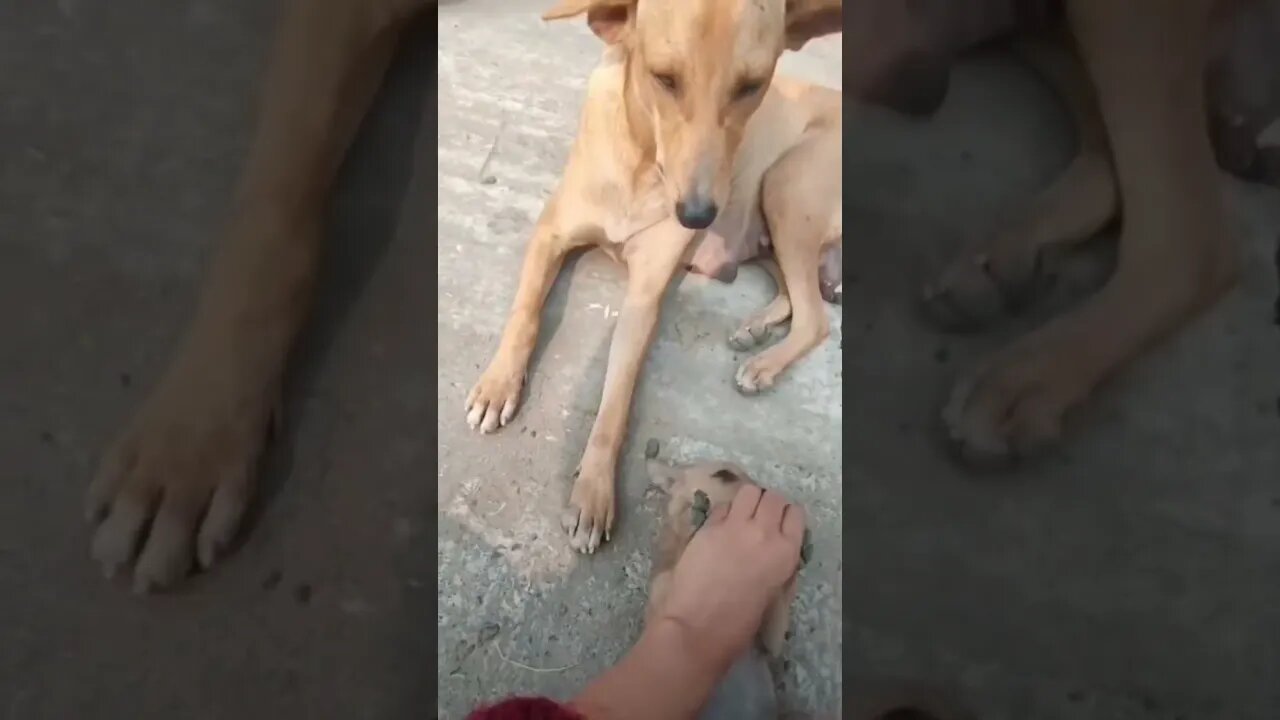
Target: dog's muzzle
696 213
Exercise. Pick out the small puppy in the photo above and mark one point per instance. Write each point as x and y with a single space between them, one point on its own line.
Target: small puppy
747 691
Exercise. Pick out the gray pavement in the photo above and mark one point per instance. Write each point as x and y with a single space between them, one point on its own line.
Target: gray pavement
1134 575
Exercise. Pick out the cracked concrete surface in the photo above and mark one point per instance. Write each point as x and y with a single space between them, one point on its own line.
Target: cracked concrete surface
1134 575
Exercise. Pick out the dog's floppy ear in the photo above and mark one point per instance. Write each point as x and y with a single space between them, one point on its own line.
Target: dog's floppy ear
808 19
608 19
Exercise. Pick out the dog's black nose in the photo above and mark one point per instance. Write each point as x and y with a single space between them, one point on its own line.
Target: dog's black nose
696 213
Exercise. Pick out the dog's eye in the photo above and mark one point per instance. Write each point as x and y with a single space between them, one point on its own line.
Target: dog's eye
746 89
666 80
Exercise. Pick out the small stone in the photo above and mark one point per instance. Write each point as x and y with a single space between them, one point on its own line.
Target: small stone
46 437
533 433
125 379
651 449
942 355
488 180
488 632
302 594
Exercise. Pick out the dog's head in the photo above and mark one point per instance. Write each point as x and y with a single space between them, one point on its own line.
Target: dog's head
696 70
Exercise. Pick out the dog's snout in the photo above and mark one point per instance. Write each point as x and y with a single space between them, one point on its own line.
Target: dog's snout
696 213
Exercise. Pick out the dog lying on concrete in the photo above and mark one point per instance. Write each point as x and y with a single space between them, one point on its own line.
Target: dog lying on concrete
747 691
685 130
182 472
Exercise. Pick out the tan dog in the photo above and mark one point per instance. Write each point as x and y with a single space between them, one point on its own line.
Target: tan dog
747 691
685 128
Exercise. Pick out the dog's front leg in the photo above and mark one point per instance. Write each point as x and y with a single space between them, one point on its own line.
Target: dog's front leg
652 259
496 395
184 465
1146 59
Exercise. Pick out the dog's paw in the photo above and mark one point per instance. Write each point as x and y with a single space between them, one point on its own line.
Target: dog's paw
756 375
978 289
752 334
1012 407
495 398
588 519
174 487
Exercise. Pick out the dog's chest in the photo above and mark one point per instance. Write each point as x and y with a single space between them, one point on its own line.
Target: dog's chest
631 213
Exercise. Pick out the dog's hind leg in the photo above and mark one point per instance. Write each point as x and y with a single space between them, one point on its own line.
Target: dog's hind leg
185 464
802 206
758 327
998 275
1146 59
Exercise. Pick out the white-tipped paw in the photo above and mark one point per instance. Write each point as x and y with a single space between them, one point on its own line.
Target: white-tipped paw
755 375
588 518
172 492
494 400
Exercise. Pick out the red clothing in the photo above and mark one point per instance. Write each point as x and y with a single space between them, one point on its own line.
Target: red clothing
525 708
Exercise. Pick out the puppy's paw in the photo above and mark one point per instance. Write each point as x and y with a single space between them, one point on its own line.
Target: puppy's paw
176 484
495 398
1012 408
756 375
588 519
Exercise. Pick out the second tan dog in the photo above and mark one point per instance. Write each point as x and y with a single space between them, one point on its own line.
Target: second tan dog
685 132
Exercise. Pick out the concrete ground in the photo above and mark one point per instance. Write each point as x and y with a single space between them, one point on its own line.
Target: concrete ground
1134 575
